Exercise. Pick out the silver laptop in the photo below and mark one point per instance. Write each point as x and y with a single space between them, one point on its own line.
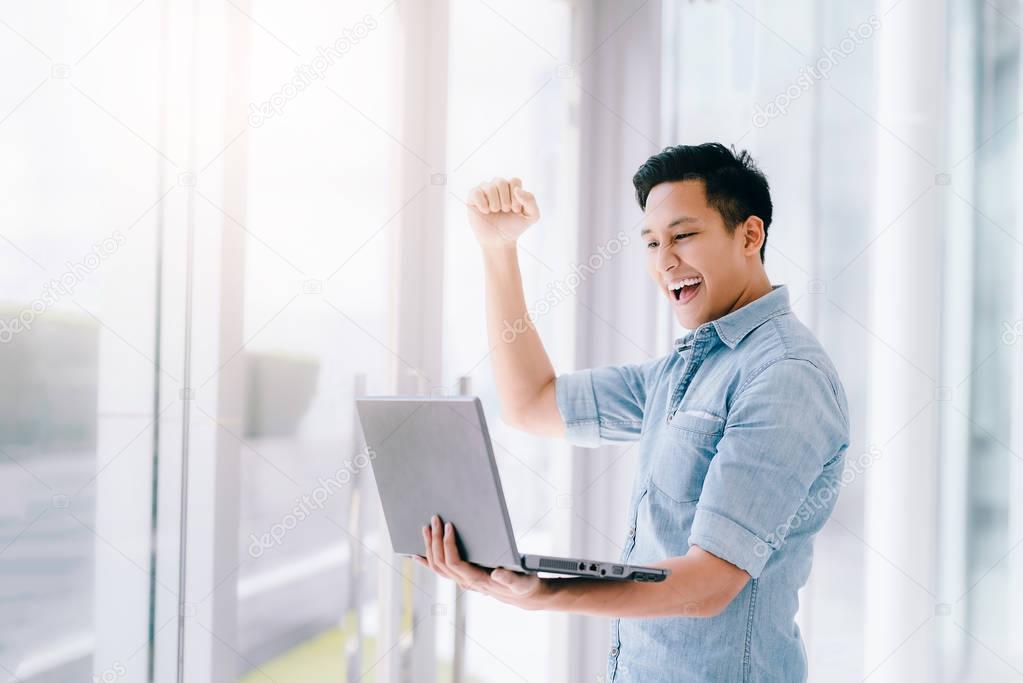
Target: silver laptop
433 455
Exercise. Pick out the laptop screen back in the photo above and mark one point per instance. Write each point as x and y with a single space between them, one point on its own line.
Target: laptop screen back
433 455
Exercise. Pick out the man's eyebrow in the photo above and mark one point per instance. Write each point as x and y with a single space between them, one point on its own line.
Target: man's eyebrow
677 221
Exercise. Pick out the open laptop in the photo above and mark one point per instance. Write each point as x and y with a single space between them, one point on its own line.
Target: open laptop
433 455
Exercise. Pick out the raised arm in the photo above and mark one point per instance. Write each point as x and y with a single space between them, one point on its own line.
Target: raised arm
499 212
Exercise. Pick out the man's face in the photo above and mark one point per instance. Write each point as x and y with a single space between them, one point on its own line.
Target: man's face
687 241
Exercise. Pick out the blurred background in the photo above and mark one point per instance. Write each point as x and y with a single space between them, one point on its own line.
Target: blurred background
224 220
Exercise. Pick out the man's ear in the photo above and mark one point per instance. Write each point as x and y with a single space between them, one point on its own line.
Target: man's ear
753 235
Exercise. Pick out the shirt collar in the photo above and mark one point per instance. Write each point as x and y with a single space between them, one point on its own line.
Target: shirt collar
731 328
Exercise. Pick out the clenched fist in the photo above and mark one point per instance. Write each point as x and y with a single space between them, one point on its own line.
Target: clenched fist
500 211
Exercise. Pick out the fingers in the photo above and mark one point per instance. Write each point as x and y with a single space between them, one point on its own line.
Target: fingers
462 571
516 204
452 558
499 195
493 197
432 560
428 544
453 566
443 558
503 192
437 546
529 208
478 199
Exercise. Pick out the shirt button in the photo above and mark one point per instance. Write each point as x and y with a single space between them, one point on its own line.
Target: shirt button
614 652
632 531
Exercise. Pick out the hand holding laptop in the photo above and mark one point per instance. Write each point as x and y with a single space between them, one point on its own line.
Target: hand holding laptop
434 457
523 590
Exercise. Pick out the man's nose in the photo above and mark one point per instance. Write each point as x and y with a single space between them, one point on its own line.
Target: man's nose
666 260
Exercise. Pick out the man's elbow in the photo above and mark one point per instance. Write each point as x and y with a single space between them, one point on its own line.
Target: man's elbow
538 415
711 606
532 422
718 582
718 604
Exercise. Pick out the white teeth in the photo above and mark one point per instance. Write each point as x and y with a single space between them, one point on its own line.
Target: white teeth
689 281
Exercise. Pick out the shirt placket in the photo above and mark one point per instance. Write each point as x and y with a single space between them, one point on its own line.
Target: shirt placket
697 348
630 543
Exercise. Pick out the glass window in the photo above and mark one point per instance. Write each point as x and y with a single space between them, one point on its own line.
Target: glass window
509 115
320 193
980 458
78 310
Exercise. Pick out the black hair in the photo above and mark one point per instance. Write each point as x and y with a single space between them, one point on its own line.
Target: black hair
735 187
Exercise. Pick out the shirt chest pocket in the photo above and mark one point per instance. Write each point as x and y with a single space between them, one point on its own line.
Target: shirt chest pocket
690 441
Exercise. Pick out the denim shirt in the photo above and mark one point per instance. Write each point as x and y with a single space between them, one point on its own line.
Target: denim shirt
742 430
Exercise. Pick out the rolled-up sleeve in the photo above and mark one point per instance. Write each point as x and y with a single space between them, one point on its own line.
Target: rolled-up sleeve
783 427
606 404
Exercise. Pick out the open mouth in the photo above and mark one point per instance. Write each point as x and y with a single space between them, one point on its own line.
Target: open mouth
683 291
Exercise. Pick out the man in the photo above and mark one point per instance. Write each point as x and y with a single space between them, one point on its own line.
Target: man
742 429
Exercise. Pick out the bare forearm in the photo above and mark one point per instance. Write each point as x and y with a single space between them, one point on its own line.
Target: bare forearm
611 598
697 587
522 368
